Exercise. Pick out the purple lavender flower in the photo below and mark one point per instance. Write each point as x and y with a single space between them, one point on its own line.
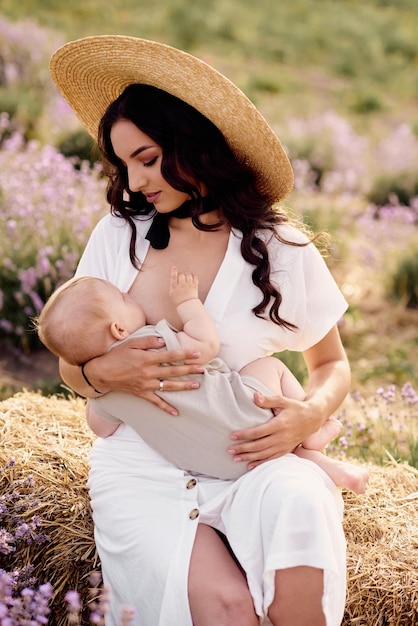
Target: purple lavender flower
343 442
389 394
29 606
73 600
409 394
7 542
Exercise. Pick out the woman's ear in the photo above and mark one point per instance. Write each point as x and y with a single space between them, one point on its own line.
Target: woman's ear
117 331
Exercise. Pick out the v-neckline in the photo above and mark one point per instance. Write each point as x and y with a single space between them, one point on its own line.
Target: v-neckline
227 276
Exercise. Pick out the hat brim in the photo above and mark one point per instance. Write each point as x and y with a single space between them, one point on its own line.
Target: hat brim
92 72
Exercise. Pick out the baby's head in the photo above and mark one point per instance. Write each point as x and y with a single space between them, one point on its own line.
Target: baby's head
84 317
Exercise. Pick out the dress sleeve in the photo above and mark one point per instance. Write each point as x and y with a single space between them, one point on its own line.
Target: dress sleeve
311 298
106 254
98 253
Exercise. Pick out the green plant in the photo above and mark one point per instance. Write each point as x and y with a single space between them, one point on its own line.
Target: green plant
22 106
408 452
79 144
403 186
266 84
404 281
366 102
394 365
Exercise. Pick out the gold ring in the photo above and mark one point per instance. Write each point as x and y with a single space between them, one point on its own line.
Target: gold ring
161 388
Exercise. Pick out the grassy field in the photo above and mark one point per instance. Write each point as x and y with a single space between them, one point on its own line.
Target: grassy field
358 57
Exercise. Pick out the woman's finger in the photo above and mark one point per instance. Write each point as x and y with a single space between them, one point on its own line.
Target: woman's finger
256 457
160 403
258 432
171 384
273 402
175 371
259 450
150 346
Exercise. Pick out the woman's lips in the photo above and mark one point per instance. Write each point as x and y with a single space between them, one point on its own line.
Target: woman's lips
152 197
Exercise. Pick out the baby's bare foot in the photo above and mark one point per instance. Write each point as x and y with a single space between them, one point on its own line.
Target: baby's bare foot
329 431
352 477
343 474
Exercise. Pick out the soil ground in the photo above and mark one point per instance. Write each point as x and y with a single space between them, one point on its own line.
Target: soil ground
18 370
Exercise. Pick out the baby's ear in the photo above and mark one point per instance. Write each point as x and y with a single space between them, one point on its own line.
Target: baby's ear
117 331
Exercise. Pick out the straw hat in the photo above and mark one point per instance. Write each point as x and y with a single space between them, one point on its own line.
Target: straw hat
92 72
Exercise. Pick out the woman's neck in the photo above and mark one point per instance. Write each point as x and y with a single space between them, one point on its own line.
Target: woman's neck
213 217
159 231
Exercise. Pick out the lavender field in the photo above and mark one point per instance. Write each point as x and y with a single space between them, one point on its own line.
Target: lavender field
355 177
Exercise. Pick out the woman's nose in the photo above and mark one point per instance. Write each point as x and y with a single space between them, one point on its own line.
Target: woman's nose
136 179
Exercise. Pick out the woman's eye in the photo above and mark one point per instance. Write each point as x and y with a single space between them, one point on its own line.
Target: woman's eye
149 163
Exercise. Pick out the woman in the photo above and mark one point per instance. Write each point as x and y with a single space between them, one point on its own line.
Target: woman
193 172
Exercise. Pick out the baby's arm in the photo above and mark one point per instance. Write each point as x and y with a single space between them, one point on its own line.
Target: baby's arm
199 331
99 426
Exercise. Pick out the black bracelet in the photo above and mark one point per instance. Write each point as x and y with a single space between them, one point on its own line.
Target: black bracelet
88 382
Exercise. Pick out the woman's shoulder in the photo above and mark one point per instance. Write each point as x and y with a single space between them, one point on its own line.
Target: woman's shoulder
284 234
292 249
290 233
107 252
287 241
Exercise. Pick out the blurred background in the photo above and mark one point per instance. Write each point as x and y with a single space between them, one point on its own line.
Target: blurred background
338 82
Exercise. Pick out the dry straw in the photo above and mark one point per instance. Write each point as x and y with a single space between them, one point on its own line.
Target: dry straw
382 535
48 439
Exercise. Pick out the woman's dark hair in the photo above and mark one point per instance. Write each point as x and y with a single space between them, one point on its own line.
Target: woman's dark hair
193 149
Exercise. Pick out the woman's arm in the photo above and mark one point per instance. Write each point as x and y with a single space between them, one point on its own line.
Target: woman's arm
137 368
329 381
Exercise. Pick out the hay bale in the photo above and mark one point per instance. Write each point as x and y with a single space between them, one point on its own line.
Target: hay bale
382 537
49 439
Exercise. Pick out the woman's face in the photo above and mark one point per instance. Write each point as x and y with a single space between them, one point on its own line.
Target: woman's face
142 158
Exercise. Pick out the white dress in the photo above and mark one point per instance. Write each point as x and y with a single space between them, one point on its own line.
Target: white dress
284 513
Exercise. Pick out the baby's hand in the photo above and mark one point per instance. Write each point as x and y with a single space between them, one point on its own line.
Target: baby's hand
183 286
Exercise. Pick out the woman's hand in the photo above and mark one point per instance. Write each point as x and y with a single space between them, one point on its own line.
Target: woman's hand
137 368
292 422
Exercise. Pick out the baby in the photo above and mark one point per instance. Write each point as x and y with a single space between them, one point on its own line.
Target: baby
87 316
